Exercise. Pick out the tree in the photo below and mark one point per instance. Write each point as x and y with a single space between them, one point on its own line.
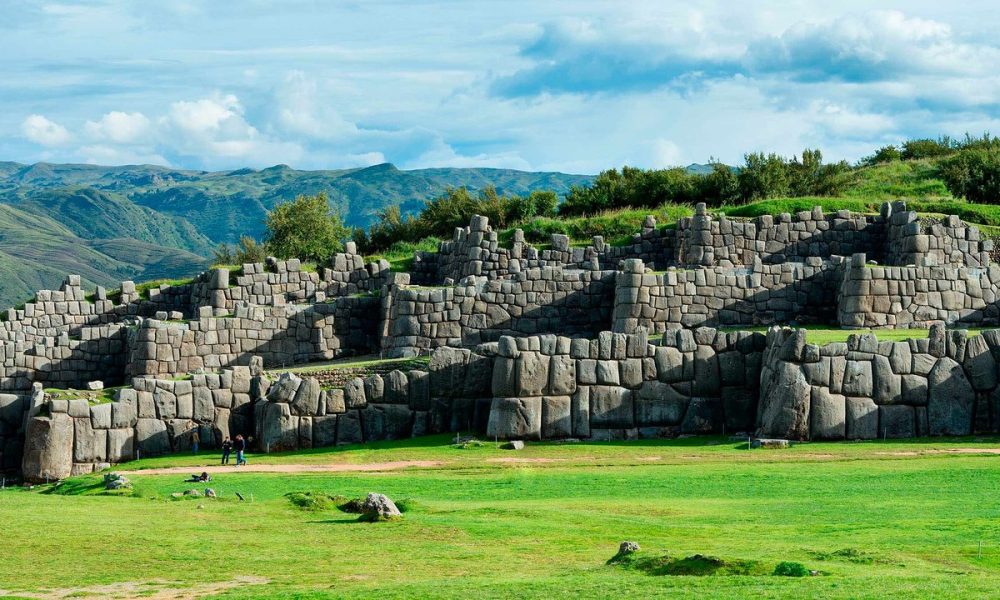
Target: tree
305 228
762 176
885 154
927 148
720 186
544 203
974 174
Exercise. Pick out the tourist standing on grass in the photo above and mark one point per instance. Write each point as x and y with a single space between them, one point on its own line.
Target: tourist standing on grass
195 440
240 446
227 449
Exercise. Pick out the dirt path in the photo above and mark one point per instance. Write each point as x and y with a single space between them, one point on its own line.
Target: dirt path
290 468
406 464
149 590
995 451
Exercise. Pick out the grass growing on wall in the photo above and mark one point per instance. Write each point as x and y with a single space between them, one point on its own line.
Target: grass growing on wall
873 519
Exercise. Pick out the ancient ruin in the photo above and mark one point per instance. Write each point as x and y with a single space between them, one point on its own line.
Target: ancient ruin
648 339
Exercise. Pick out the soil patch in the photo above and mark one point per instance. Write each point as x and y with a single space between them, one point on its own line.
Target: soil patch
131 590
292 468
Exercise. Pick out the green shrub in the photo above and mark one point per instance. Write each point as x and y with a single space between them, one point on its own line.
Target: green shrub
974 174
313 501
791 569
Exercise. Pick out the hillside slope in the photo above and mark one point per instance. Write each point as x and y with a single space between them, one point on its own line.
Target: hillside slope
224 205
147 222
36 252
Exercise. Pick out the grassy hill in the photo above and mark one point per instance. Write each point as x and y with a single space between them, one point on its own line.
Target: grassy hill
906 518
37 252
147 222
226 204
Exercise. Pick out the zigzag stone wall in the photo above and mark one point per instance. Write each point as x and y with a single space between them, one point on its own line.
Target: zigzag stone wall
727 296
526 342
547 299
874 296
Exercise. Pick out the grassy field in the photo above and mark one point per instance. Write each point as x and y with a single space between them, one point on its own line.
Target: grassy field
874 519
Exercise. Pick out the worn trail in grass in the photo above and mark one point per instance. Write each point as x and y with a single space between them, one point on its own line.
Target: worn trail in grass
876 519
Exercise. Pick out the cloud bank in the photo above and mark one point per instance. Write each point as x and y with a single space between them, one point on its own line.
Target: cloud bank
576 88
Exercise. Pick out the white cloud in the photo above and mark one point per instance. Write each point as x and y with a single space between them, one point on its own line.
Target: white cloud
301 110
41 130
120 127
110 155
665 153
215 130
440 154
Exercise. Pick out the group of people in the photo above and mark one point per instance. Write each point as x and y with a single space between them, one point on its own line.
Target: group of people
239 445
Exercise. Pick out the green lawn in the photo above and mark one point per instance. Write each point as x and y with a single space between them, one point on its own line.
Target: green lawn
875 519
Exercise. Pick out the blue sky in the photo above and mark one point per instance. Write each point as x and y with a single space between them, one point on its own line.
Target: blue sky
568 86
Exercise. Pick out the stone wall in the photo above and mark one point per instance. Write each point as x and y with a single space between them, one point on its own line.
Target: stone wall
947 242
477 310
279 282
282 335
726 296
160 416
620 386
13 411
874 296
152 417
945 384
451 395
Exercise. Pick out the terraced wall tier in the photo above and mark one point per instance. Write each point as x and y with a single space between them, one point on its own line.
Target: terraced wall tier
477 310
865 389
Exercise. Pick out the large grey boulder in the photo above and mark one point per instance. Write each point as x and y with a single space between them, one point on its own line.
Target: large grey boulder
580 409
374 389
378 507
897 421
611 407
306 399
48 448
887 386
89 445
658 404
950 399
557 419
562 375
532 374
284 388
980 366
396 388
857 378
151 437
706 372
120 445
349 428
515 418
784 404
669 364
827 415
324 431
704 415
419 384
277 430
386 422
354 393
862 419
914 390
504 381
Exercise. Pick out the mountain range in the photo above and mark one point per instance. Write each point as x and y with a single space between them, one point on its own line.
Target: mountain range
144 222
